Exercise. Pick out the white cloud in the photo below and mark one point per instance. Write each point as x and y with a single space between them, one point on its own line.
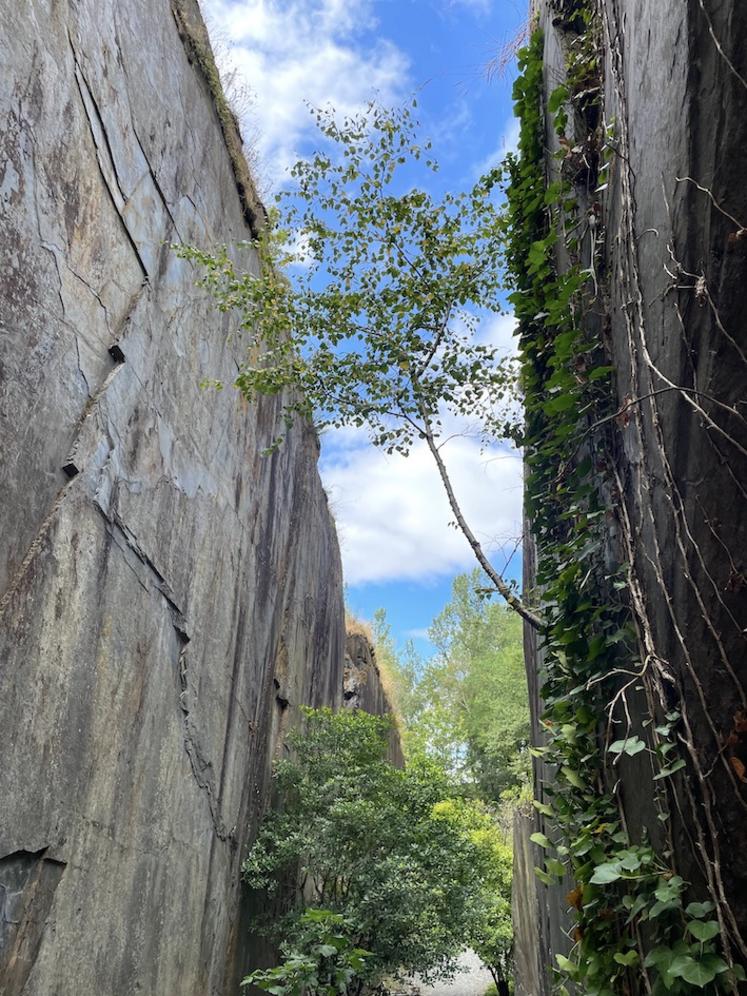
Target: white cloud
508 142
498 331
291 51
478 6
392 514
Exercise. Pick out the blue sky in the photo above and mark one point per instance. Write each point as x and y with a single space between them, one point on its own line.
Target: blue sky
399 552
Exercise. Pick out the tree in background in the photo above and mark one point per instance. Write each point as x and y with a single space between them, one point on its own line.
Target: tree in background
407 868
403 668
491 934
468 706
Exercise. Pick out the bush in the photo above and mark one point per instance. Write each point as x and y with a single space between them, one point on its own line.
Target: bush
323 961
385 848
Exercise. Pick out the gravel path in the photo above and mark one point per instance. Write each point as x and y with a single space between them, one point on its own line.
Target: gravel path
473 980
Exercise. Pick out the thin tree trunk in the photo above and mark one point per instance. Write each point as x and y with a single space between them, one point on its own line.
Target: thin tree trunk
500 585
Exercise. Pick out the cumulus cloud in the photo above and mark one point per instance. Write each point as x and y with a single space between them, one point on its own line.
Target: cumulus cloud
392 514
508 142
498 331
478 6
291 51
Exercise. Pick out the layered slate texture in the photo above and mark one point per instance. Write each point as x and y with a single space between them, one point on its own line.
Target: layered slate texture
673 265
167 593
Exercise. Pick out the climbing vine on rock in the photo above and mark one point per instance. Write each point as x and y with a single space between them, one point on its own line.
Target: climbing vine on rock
632 915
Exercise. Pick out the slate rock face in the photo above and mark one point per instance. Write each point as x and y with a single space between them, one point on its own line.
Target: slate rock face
167 593
674 262
364 689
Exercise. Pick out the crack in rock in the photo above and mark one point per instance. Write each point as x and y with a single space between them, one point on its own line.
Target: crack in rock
104 156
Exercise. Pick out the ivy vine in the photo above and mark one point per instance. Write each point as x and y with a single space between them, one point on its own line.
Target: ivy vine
632 917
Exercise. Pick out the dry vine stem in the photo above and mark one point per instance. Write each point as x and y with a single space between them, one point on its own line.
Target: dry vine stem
649 383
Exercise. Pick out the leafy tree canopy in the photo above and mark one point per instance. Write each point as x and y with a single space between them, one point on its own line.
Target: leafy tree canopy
374 325
410 869
467 707
363 310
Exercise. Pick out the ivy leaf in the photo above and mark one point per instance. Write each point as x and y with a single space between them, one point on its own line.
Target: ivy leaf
541 839
663 907
541 807
627 959
700 910
555 867
630 746
661 957
666 772
543 876
557 98
572 777
605 873
704 931
630 861
669 888
699 973
566 965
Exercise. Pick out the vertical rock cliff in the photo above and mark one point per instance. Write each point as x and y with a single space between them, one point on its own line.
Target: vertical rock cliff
168 595
651 151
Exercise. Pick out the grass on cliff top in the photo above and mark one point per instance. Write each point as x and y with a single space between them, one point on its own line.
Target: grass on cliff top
359 627
196 41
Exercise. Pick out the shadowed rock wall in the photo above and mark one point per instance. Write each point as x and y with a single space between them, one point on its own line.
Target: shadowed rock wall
674 259
167 594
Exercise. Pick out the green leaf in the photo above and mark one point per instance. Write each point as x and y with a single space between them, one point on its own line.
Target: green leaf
541 807
669 888
666 772
555 867
700 910
700 973
572 777
541 839
543 876
631 746
660 956
660 907
627 959
703 930
606 873
557 98
566 965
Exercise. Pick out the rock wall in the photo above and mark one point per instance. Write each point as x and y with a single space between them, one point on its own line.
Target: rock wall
364 689
167 593
672 252
529 967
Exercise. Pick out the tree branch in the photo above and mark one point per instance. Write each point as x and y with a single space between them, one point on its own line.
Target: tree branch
503 589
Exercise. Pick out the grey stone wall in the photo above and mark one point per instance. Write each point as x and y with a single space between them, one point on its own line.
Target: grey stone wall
673 261
168 595
530 971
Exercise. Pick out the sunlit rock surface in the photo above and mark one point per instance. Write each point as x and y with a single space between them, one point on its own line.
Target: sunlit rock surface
168 595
